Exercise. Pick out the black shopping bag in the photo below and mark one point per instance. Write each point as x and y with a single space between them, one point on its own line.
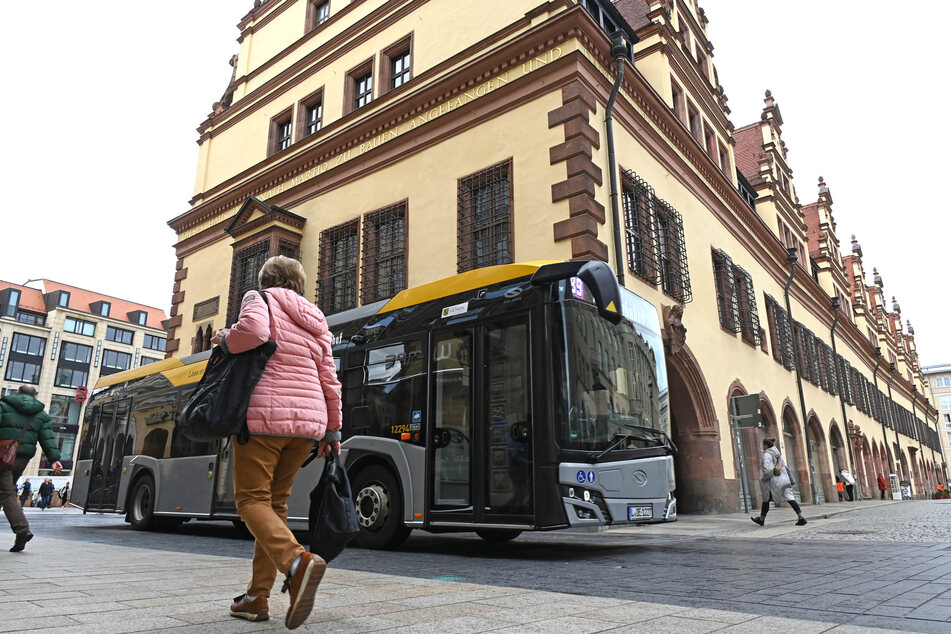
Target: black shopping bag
218 408
332 517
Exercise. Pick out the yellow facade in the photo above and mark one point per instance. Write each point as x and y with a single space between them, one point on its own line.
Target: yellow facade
529 83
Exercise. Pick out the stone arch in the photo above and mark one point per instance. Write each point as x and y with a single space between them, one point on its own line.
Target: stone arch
820 463
793 451
837 448
770 428
701 485
871 474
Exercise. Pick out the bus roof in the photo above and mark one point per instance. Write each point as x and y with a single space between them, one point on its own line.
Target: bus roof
462 282
175 370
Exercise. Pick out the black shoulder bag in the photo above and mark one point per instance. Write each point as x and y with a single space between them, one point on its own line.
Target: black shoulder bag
332 518
218 408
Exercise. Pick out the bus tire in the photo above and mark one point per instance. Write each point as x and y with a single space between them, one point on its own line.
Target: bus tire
497 535
142 504
379 505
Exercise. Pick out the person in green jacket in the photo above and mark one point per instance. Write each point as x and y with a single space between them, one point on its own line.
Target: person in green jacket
17 410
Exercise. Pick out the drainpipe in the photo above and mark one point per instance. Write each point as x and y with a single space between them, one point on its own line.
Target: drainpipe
619 52
878 358
891 414
792 258
845 419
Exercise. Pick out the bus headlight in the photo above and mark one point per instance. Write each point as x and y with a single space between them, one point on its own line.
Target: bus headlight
571 492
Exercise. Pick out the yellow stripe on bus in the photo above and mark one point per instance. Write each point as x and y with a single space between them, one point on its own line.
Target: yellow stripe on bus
186 374
462 282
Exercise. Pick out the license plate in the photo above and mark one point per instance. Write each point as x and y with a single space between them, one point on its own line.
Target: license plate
640 512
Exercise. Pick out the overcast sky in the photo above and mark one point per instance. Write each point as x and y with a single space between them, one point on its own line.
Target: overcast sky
104 98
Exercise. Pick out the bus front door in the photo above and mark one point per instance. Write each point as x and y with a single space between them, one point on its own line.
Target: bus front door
106 469
482 441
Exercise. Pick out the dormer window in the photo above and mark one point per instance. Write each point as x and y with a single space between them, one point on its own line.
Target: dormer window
63 300
100 308
139 317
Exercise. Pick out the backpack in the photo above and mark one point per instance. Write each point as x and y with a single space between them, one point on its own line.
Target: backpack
218 408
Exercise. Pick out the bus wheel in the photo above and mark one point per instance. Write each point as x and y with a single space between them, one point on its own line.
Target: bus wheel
497 536
379 506
142 507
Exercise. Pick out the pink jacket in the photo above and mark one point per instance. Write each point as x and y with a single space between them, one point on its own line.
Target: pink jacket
298 394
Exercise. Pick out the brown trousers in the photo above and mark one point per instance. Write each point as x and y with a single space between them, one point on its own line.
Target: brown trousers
8 495
264 472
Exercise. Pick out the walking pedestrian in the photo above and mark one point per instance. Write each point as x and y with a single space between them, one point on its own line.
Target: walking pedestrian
849 481
296 402
46 494
26 492
21 411
775 483
64 495
882 485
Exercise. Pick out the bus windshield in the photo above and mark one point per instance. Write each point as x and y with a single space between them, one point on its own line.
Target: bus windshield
612 384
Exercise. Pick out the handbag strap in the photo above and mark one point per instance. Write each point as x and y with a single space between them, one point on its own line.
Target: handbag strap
26 425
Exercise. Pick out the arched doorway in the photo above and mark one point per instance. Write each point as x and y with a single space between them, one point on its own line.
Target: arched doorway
871 474
792 452
819 467
701 484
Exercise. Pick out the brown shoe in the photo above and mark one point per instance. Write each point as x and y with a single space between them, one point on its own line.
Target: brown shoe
251 610
303 586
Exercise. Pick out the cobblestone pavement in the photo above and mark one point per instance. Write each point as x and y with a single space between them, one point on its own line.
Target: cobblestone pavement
704 573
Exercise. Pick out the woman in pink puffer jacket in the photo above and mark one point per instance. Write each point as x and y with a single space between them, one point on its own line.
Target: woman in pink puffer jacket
296 402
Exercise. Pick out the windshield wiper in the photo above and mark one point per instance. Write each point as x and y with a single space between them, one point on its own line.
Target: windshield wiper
623 438
667 440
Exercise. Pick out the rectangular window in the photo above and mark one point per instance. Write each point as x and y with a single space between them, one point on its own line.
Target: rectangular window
693 122
314 116
362 90
679 106
147 360
724 159
781 334
396 64
104 308
672 249
279 136
339 255
79 326
637 197
318 12
114 361
310 114
63 299
945 401
73 368
26 358
941 381
119 335
11 300
710 139
702 62
485 218
154 343
384 253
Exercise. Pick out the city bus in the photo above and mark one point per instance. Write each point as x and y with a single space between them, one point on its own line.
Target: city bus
518 397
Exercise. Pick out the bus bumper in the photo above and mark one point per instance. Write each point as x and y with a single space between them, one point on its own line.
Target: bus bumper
619 511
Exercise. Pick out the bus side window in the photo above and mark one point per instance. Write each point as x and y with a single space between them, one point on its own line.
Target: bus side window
87 446
395 389
153 417
183 447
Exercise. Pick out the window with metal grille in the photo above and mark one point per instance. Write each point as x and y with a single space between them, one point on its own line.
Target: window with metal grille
725 281
314 116
399 69
637 198
288 249
672 248
283 135
337 278
244 275
484 218
781 334
829 381
383 273
746 303
812 358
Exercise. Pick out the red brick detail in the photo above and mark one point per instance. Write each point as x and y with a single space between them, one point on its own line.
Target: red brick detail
570 149
181 274
576 90
588 248
577 226
581 165
578 128
173 322
568 112
581 184
171 345
180 264
178 298
586 205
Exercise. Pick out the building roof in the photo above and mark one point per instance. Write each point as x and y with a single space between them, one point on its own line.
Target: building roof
936 369
634 12
31 299
80 299
749 145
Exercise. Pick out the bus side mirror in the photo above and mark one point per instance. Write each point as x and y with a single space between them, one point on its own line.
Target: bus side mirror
441 438
602 283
